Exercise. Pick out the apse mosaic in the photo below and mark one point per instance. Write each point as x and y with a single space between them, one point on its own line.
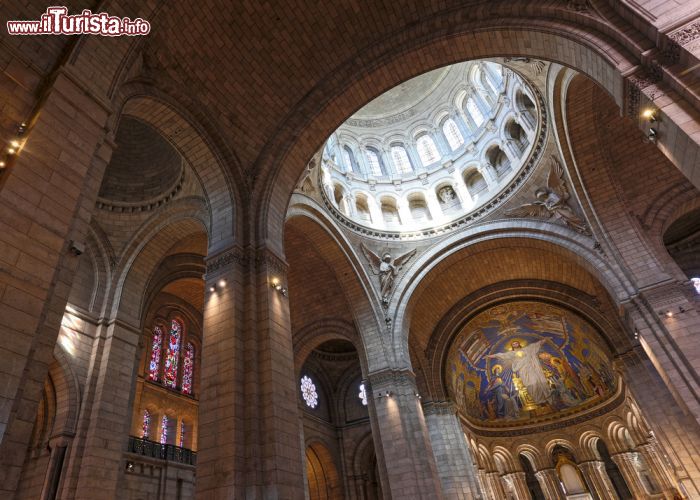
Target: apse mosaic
523 360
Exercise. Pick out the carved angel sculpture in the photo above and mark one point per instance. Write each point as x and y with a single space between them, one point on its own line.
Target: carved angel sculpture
386 268
552 202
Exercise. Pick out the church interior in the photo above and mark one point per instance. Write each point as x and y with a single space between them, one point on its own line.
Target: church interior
352 250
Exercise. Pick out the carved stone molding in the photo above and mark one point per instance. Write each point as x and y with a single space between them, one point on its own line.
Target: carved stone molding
686 34
439 408
642 81
393 377
234 255
265 257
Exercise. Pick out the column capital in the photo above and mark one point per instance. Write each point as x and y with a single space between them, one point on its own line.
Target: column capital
391 377
439 408
232 255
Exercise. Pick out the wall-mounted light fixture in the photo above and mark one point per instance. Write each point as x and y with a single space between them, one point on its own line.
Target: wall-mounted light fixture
13 148
275 283
218 285
385 394
418 396
669 313
649 114
652 135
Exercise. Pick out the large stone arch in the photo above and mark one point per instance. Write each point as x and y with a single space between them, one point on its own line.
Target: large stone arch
145 250
430 44
351 275
315 334
557 239
215 170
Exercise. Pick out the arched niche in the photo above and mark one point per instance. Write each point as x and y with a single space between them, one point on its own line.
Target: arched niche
498 159
475 182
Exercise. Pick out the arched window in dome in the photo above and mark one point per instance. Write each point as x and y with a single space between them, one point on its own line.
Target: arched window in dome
173 354
349 157
401 161
427 150
188 369
374 162
492 77
156 347
452 134
475 113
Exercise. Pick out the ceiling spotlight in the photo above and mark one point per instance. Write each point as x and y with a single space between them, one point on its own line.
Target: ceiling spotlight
14 144
2 164
212 288
669 314
222 283
11 150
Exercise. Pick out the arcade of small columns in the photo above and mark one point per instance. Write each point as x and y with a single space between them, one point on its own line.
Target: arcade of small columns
78 333
643 467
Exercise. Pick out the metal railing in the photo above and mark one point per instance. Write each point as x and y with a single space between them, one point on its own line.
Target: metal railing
152 449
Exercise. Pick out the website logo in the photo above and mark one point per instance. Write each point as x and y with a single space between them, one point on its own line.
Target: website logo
57 21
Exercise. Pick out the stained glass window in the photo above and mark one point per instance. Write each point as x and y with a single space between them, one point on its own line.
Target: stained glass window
187 369
156 346
146 426
164 430
308 392
181 443
426 150
171 358
454 137
363 394
400 159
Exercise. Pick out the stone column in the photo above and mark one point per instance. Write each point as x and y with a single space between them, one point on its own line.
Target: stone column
452 456
463 129
249 443
51 185
375 212
550 484
434 205
495 485
488 172
597 478
441 143
107 411
402 443
59 446
404 212
625 461
655 465
676 430
519 484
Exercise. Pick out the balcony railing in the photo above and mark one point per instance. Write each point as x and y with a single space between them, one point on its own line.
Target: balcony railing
170 452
